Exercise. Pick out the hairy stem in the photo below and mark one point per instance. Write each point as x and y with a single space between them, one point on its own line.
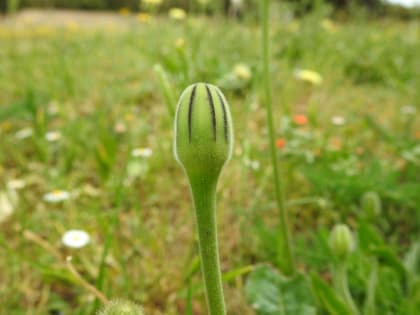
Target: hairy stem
342 287
370 307
204 195
286 243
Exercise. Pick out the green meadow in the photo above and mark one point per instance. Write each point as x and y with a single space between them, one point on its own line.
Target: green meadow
86 143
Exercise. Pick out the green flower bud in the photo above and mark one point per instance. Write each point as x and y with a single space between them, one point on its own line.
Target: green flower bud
371 204
341 241
203 144
121 307
203 131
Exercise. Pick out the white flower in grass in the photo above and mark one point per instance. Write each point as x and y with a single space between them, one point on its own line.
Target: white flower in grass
408 110
8 202
141 152
16 184
24 133
75 238
56 196
53 136
338 120
252 164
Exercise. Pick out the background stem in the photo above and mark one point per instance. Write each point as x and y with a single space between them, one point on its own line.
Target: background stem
204 193
342 288
285 247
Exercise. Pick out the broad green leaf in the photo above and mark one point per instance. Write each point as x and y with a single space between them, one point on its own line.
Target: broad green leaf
328 298
271 293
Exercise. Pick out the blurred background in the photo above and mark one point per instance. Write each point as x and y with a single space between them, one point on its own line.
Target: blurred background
87 95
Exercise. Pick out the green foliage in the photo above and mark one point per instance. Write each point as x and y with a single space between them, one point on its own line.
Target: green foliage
92 79
271 293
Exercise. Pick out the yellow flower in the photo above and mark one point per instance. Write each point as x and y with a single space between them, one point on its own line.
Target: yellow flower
329 26
143 17
242 71
44 31
177 14
124 11
72 26
179 43
308 76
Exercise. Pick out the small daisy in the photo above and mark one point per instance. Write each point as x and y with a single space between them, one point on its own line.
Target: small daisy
53 136
252 164
338 120
177 14
24 133
56 196
408 110
236 3
75 238
7 205
308 76
141 152
15 184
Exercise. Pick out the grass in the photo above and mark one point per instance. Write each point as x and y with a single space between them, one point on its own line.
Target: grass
98 88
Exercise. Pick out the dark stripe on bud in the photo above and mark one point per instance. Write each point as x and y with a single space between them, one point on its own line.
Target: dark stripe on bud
225 122
190 108
213 114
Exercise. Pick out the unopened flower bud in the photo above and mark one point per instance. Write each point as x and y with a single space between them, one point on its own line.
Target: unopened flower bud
121 307
341 241
203 131
371 204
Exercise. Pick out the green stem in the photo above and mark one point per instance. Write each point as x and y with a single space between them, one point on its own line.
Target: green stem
342 288
286 247
166 89
204 195
370 307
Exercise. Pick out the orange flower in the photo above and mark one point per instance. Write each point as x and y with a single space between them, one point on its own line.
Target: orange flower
418 134
280 143
300 120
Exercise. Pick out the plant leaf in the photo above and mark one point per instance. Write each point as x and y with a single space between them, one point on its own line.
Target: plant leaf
328 298
271 293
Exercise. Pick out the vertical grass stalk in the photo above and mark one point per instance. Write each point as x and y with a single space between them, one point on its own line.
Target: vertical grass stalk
286 242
